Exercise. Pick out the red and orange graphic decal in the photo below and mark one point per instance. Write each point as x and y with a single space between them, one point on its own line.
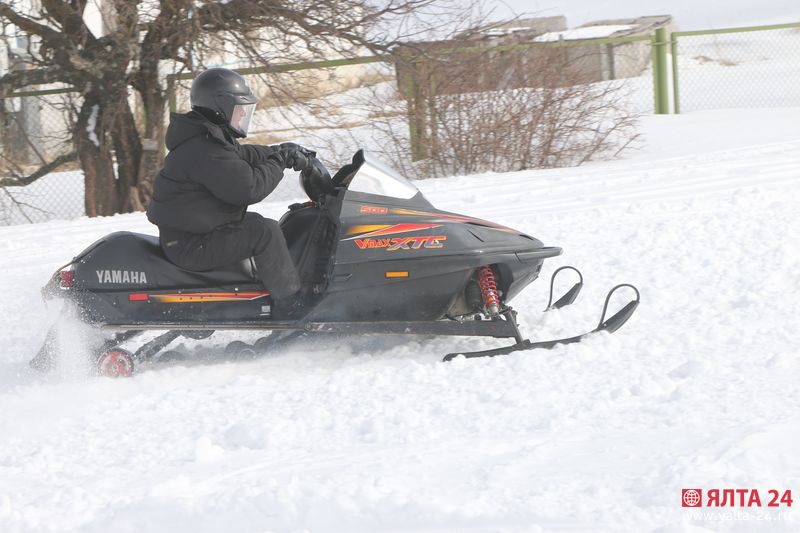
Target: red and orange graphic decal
208 297
369 230
441 217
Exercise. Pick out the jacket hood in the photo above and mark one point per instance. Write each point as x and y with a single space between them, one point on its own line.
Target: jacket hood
184 127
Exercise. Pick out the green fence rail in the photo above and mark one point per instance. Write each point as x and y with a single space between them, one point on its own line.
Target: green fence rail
613 61
276 69
421 57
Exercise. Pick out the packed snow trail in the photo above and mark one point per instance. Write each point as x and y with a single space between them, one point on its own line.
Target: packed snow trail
375 434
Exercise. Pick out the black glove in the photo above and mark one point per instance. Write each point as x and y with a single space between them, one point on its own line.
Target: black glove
295 156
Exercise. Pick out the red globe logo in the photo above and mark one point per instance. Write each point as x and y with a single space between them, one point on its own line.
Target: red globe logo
691 497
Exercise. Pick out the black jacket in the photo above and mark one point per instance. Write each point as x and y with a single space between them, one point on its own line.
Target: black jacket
208 178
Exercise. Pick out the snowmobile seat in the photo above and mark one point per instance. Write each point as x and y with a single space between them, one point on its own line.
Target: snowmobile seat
126 251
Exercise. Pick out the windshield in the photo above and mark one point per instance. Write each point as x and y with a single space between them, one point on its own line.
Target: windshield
373 177
241 117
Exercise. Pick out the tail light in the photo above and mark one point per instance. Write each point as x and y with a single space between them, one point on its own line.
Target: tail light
66 279
62 280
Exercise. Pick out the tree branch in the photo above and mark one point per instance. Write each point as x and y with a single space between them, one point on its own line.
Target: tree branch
163 40
17 79
41 172
64 47
71 20
29 25
21 205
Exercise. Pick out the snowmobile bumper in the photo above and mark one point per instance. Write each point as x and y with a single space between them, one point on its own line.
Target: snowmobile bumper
538 255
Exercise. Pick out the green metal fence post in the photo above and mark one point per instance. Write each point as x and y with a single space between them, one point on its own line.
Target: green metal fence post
676 108
654 63
660 87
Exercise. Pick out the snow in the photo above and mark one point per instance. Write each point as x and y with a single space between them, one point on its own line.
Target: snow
375 434
589 32
91 125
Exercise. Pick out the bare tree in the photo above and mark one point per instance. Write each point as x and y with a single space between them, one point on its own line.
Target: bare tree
467 110
144 38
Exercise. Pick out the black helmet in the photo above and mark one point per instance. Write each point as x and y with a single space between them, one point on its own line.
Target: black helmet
224 97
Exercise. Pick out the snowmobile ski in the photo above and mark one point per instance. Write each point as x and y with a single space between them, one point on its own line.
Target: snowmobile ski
570 296
610 325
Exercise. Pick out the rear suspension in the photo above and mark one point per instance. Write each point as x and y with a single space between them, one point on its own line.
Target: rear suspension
489 292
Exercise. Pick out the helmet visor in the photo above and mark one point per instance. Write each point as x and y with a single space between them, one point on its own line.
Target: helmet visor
241 116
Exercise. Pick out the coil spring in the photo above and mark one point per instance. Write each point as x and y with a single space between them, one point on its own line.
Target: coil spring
488 285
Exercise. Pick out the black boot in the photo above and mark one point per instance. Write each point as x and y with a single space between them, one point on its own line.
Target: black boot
293 307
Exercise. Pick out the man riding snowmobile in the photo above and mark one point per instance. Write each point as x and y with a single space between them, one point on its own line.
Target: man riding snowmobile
201 194
376 255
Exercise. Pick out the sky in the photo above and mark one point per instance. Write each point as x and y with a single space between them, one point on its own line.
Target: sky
689 14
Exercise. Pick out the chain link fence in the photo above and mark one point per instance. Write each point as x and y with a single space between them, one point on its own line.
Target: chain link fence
340 105
35 128
335 106
734 68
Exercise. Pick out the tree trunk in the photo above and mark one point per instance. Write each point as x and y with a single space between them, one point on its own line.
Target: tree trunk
100 196
138 158
155 103
128 148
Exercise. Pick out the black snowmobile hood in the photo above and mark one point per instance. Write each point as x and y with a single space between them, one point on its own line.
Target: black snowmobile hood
183 127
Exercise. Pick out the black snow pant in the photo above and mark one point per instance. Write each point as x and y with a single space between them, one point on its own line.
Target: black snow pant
255 236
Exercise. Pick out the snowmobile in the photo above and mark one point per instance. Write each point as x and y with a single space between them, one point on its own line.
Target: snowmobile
377 256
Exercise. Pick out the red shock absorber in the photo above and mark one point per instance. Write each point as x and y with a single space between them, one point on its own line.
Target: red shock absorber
488 285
